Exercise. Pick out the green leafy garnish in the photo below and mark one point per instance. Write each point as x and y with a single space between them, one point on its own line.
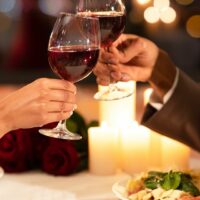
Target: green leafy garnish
171 180
188 186
153 180
151 183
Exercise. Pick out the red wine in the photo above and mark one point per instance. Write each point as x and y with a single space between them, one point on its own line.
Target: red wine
112 24
72 63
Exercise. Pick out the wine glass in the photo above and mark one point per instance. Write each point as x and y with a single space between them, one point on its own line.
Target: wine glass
73 51
112 19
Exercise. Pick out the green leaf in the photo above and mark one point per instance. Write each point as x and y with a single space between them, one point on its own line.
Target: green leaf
93 124
151 182
156 174
188 186
153 179
76 124
80 122
171 180
72 126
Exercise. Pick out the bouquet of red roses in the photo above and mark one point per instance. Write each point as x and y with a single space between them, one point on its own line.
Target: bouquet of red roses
23 150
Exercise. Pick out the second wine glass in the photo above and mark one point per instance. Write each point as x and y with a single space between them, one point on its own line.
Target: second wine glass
112 19
72 53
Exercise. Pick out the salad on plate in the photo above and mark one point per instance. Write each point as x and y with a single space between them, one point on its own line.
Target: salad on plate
157 185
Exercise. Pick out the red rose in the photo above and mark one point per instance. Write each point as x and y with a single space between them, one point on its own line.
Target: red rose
40 142
16 151
60 158
39 145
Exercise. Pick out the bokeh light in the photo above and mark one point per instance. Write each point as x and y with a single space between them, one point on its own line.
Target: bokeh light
7 5
49 7
184 2
161 4
193 26
142 2
152 15
168 15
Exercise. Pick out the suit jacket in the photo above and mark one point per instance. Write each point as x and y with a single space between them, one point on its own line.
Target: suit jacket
179 118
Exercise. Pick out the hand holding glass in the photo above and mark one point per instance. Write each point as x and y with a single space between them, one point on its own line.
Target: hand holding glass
112 20
72 53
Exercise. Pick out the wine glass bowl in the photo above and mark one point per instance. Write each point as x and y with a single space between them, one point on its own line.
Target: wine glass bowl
111 14
73 51
73 47
64 62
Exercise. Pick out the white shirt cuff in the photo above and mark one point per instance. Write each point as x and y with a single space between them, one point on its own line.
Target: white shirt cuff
158 105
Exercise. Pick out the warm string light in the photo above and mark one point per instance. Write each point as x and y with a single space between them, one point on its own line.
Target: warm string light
143 2
160 10
184 2
168 15
152 15
161 4
193 26
136 15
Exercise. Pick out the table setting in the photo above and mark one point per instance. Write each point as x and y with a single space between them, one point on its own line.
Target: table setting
101 152
104 167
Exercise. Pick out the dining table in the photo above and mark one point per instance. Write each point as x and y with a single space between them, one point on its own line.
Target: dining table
38 185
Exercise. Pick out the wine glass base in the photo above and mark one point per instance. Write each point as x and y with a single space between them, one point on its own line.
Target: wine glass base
114 95
60 134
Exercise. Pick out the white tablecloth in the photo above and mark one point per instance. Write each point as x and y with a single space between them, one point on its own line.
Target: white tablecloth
36 185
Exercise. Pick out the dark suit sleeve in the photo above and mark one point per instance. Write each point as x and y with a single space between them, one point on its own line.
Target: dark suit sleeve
179 118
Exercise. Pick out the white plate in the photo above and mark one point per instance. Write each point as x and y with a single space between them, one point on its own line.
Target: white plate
119 189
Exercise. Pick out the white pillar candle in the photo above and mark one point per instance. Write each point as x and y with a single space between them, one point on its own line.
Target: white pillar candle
117 113
103 150
155 139
134 148
155 150
174 154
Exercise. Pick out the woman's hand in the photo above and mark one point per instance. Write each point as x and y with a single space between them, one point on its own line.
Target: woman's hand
39 103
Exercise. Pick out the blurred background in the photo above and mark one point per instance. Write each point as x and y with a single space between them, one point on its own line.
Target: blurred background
25 27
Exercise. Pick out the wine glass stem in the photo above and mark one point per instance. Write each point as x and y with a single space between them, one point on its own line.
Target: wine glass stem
61 125
112 87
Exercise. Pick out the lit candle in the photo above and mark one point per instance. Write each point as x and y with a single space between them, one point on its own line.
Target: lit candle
118 112
155 139
174 154
134 148
103 150
164 152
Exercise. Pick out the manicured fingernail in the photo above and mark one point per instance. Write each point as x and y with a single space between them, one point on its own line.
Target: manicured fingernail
112 74
125 77
71 113
115 75
75 107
